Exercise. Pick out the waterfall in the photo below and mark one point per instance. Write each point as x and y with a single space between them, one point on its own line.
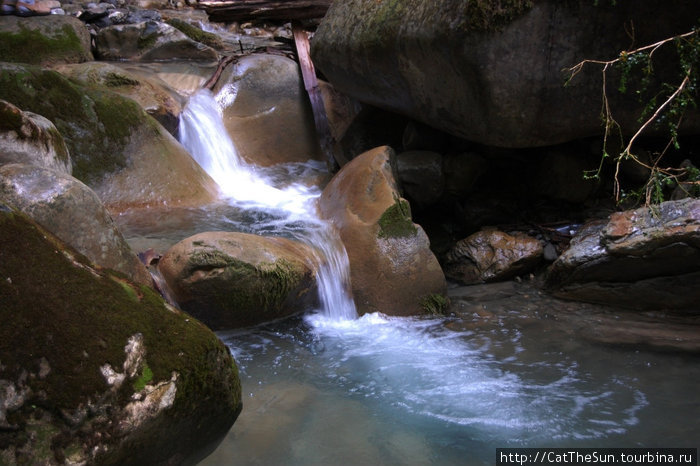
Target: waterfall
203 134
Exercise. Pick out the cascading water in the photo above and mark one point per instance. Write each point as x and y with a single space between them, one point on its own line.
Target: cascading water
203 134
336 389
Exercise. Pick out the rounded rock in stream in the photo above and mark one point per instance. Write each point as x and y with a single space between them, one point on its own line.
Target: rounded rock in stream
98 370
231 280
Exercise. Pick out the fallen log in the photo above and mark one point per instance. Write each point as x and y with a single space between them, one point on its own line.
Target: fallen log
264 10
308 73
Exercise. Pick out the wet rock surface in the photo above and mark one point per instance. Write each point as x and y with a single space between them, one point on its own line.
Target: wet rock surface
231 280
26 137
648 258
73 212
391 266
492 255
89 374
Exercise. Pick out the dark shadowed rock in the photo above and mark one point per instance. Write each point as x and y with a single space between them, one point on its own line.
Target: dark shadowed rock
97 370
648 258
392 269
491 72
421 176
231 280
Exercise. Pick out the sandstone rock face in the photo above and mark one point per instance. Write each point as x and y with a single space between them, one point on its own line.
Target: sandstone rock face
492 255
73 212
157 99
149 41
46 40
647 258
267 111
26 137
231 280
116 148
97 370
392 269
485 71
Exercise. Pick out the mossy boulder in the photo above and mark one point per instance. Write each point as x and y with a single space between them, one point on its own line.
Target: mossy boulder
392 269
26 137
73 212
45 41
97 370
149 41
117 149
493 71
157 99
231 280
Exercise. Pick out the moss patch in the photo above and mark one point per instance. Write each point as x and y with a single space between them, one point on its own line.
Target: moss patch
36 47
96 125
492 15
118 80
435 304
196 34
396 221
145 377
55 305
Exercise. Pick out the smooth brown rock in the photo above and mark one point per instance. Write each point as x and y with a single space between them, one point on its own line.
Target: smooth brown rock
492 255
391 266
231 280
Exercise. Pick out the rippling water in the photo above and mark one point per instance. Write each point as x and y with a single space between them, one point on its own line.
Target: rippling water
330 389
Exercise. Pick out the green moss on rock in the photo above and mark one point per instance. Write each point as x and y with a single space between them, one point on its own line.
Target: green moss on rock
196 34
396 221
97 125
56 306
435 304
28 45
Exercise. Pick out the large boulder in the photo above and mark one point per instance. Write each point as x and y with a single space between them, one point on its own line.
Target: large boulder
492 255
44 41
231 280
149 41
26 137
491 72
117 149
647 258
73 212
267 112
97 370
159 100
392 269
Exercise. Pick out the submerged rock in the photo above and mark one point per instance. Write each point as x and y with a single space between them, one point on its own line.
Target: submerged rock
46 40
492 255
149 41
491 72
648 258
117 149
73 212
97 370
392 269
231 280
267 111
26 137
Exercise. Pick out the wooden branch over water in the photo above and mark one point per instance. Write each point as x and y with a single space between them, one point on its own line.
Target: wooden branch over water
271 10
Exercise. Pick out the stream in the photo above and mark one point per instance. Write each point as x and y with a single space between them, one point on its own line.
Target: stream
331 388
